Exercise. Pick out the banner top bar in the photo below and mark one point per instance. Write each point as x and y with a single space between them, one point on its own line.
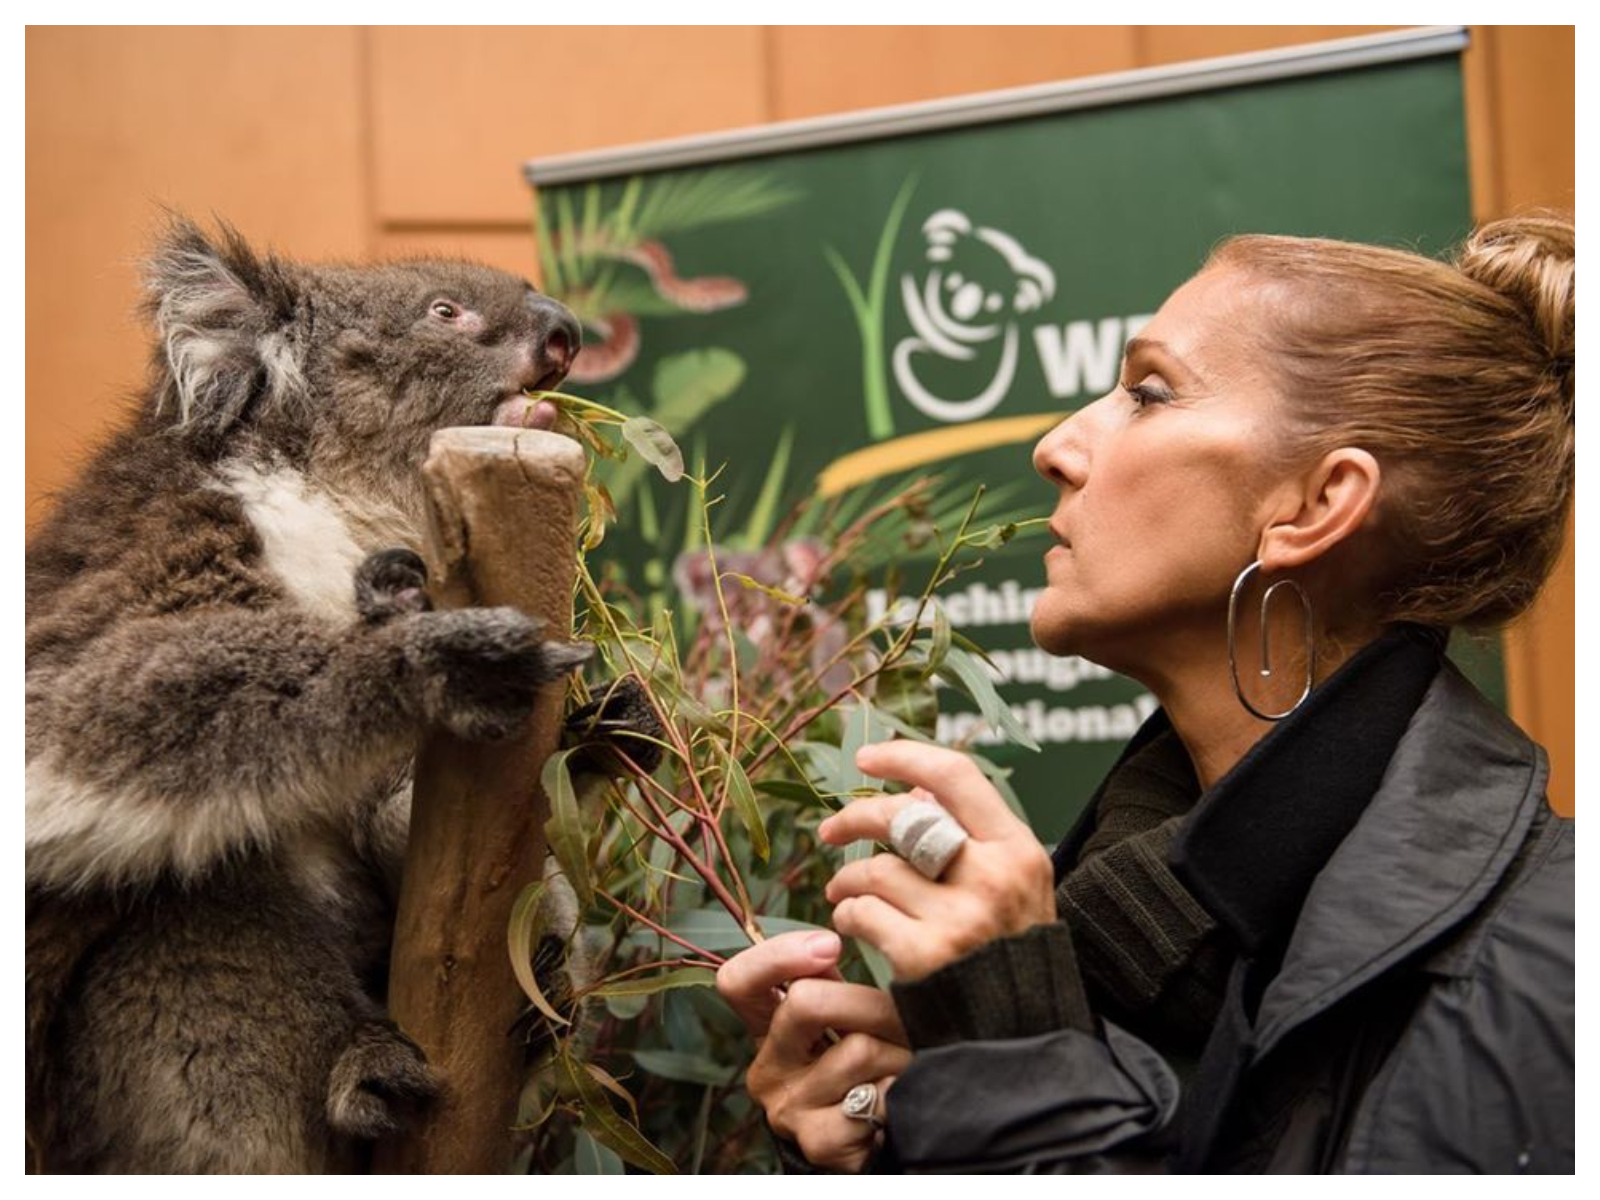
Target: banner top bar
1009 104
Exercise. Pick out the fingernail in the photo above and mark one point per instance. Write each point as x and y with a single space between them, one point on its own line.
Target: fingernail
824 945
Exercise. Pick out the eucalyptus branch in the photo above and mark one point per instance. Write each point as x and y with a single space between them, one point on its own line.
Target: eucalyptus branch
622 906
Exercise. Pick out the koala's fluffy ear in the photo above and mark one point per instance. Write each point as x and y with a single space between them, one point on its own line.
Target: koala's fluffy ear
224 316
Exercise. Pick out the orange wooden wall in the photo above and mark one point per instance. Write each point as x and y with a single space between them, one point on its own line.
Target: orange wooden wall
350 142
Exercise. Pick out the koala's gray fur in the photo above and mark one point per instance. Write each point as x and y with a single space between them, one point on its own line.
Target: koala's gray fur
225 681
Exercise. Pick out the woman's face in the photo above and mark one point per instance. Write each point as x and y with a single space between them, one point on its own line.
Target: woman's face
1166 485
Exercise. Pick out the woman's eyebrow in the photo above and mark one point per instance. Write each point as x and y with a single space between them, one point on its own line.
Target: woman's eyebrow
1152 348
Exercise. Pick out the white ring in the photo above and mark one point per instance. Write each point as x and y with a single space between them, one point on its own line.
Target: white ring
926 836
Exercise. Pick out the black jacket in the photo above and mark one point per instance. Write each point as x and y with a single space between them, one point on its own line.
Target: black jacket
1402 997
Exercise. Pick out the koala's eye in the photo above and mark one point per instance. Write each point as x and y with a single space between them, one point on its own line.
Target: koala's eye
444 310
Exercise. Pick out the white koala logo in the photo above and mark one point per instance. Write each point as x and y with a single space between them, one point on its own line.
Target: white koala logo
949 311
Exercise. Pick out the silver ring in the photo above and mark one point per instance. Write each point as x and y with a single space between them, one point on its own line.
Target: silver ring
861 1104
926 836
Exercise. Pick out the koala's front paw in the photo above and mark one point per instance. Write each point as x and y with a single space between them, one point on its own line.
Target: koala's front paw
620 718
390 583
481 668
379 1082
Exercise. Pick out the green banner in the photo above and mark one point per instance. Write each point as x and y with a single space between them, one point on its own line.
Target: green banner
836 320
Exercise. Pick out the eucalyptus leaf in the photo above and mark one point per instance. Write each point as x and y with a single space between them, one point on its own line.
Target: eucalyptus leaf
939 645
991 538
963 670
564 830
774 593
627 1008
744 803
827 764
522 935
791 790
1000 777
699 715
648 985
686 1068
877 965
655 445
589 1157
606 1125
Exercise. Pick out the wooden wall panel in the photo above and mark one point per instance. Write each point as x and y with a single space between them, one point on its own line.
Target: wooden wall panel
1162 44
258 125
456 111
830 68
511 248
1521 104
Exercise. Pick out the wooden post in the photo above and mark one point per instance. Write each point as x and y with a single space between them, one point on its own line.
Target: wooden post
503 517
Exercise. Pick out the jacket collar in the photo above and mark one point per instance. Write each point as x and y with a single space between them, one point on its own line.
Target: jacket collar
1458 797
1257 838
1455 789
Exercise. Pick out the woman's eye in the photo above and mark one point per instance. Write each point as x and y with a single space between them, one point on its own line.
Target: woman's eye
1146 394
444 310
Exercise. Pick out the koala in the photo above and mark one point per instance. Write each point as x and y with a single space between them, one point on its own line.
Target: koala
230 656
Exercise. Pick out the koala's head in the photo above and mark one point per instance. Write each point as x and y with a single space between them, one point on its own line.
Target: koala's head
346 363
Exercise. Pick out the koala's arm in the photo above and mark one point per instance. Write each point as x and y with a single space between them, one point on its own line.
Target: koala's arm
174 742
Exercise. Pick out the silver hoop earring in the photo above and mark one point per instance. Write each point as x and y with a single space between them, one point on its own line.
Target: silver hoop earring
1266 660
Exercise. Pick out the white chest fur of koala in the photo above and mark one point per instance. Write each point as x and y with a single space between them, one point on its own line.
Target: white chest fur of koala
229 659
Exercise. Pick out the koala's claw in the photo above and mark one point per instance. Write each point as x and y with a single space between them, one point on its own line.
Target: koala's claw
482 668
379 1082
390 583
619 718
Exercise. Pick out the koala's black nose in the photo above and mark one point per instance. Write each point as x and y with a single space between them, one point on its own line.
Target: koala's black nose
557 339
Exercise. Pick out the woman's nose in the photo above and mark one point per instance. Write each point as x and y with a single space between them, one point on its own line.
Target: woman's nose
1061 455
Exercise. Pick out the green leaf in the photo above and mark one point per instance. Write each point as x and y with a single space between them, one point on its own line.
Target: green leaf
966 673
877 965
861 728
589 1157
777 594
991 538
686 1068
647 985
744 803
564 830
655 445
788 789
626 1008
699 715
906 693
939 644
606 1125
522 936
1000 777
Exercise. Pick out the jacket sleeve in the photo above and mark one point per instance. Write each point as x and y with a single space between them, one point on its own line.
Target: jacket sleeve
1012 1072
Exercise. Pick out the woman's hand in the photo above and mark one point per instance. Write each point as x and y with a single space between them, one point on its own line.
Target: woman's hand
800 1075
1001 882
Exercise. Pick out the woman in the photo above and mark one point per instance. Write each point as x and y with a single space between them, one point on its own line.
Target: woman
1319 917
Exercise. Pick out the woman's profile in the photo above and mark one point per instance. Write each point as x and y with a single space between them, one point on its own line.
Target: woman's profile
1319 917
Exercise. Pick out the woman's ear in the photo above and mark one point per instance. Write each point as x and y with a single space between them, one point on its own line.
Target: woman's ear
1333 501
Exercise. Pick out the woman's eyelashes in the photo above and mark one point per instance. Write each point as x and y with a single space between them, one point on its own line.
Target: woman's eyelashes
1146 394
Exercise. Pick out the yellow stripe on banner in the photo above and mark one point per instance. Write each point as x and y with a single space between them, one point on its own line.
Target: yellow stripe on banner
919 449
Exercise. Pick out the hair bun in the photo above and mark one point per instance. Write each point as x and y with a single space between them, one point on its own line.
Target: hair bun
1531 261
